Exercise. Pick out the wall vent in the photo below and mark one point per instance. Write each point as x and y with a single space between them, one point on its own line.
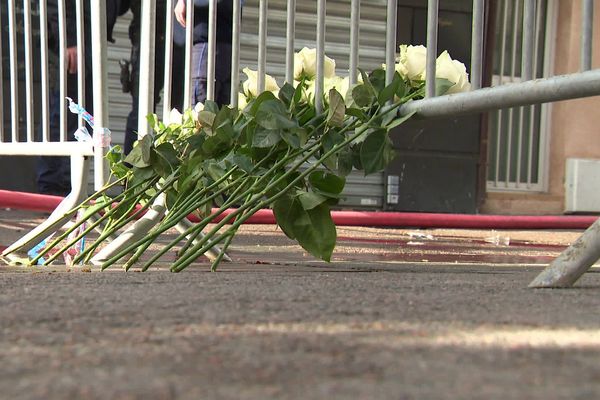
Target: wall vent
582 185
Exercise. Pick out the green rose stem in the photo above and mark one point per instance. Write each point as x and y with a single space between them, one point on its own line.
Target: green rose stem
206 242
202 224
108 232
195 234
123 220
172 219
175 218
180 215
93 209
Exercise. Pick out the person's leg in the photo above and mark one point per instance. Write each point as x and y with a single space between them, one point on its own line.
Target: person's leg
223 74
177 83
54 173
199 64
131 126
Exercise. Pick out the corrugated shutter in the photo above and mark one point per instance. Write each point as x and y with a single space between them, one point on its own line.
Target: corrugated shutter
361 191
337 35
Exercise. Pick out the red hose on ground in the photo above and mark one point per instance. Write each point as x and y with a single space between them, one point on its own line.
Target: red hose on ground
45 203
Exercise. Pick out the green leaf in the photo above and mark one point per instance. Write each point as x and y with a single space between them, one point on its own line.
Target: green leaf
272 114
242 161
215 170
377 79
141 175
216 146
256 103
211 106
331 139
292 137
362 96
140 154
367 83
153 122
298 91
206 119
402 89
266 137
337 109
344 166
399 120
286 94
389 92
358 113
376 151
327 183
313 229
164 159
442 86
310 200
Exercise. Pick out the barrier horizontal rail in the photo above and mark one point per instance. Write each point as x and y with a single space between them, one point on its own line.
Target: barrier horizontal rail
47 149
564 87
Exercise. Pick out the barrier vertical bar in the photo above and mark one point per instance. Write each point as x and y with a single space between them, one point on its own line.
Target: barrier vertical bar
587 30
262 44
518 5
168 71
321 11
477 44
528 39
189 44
354 40
27 37
212 35
62 67
390 40
536 51
501 73
100 86
81 72
146 84
235 53
432 31
289 41
14 73
44 71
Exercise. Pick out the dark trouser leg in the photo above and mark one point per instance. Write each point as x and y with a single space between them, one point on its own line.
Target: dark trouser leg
176 85
222 73
54 173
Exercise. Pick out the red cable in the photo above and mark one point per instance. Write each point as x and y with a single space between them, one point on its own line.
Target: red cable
45 203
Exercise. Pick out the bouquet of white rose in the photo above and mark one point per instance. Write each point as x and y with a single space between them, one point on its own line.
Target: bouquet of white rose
275 151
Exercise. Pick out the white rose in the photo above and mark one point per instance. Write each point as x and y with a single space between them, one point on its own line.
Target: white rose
411 62
196 110
454 71
175 117
305 64
250 85
242 101
338 83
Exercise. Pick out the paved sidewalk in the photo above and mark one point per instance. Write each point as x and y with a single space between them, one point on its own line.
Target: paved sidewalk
399 314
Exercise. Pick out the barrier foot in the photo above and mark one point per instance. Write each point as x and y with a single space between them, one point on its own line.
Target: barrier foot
573 262
135 232
213 252
61 215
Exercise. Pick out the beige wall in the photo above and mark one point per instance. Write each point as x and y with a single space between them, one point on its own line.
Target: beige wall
575 124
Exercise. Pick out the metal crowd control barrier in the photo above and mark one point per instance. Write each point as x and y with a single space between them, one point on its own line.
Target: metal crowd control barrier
79 152
562 272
